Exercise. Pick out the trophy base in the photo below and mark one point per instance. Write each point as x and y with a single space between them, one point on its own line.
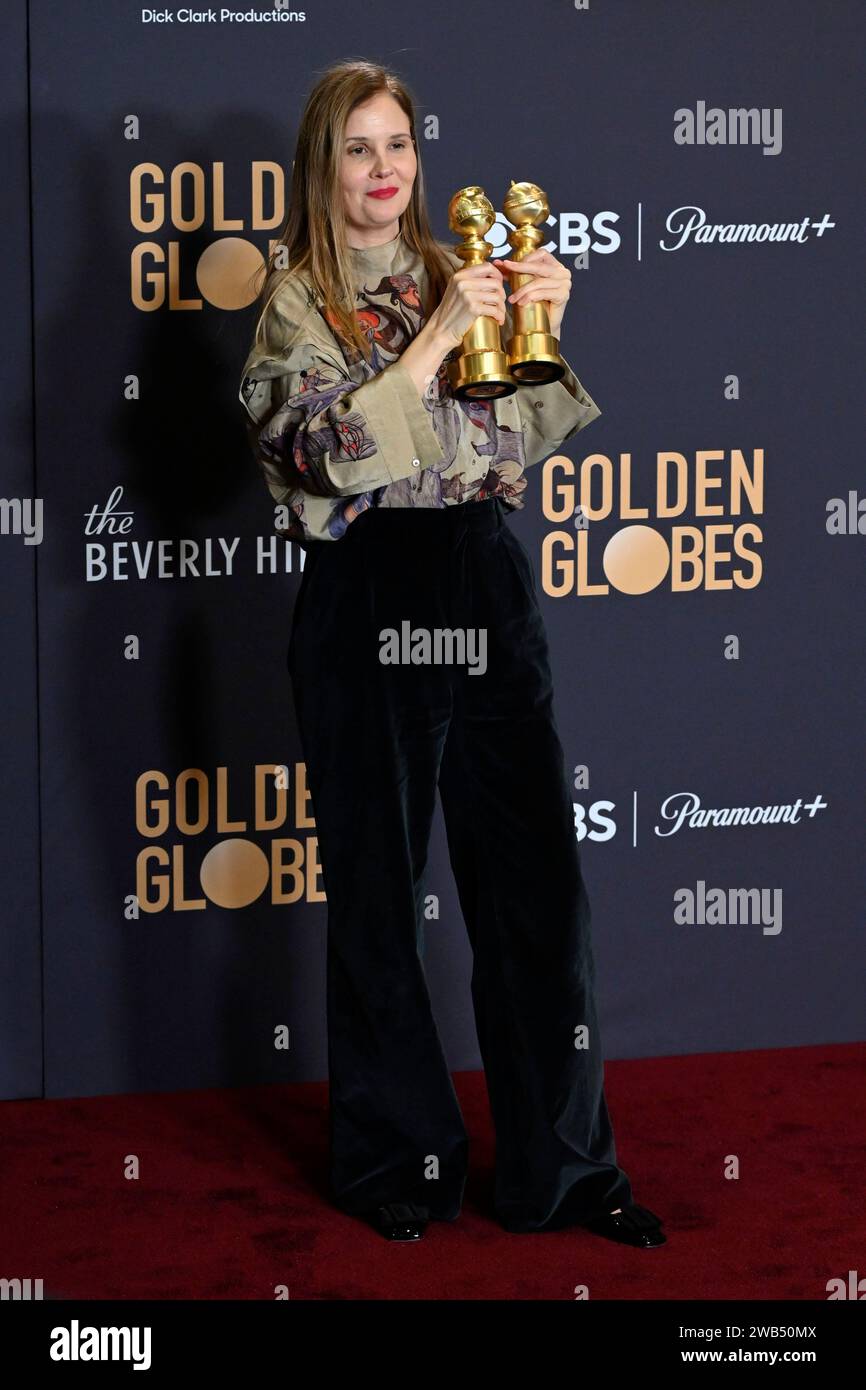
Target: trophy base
533 358
481 376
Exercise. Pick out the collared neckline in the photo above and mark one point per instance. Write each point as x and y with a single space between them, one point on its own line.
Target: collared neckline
389 258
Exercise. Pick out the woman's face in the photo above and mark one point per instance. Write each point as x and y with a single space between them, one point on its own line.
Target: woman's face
378 154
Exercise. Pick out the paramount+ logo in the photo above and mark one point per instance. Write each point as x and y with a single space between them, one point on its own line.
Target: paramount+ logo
205 846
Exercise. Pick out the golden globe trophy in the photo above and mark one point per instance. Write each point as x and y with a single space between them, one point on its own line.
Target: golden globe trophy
481 370
533 352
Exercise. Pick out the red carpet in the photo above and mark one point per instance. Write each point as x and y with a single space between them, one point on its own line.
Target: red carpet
229 1202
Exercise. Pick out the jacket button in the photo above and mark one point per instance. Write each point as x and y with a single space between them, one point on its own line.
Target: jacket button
416 463
539 405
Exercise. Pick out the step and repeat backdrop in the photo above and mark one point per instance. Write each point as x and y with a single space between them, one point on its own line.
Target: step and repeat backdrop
698 549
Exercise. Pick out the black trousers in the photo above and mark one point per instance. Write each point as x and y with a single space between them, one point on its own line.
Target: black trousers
377 740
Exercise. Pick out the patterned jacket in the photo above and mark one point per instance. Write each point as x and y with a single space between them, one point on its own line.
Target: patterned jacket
334 434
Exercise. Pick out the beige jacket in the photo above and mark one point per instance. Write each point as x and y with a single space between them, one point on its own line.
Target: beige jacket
334 434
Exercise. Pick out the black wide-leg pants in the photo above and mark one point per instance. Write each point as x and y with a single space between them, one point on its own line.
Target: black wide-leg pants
377 741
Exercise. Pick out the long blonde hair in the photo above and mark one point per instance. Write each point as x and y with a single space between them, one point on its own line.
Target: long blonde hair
314 235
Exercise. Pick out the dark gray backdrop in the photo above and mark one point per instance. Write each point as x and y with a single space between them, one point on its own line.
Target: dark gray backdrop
582 103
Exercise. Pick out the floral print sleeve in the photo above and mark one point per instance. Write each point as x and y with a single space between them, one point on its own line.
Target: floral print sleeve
330 434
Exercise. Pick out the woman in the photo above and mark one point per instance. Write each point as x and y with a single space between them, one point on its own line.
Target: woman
400 496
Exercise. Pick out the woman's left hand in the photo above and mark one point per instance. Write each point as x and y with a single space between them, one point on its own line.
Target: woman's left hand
551 281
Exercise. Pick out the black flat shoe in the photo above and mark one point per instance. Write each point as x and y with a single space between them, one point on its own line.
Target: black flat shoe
634 1225
399 1220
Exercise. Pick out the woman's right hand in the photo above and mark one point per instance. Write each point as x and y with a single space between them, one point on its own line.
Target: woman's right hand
473 290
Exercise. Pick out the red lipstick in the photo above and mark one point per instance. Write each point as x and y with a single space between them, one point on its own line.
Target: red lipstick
382 192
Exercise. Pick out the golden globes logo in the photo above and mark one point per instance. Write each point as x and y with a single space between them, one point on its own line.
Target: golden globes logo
190 867
639 557
177 267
